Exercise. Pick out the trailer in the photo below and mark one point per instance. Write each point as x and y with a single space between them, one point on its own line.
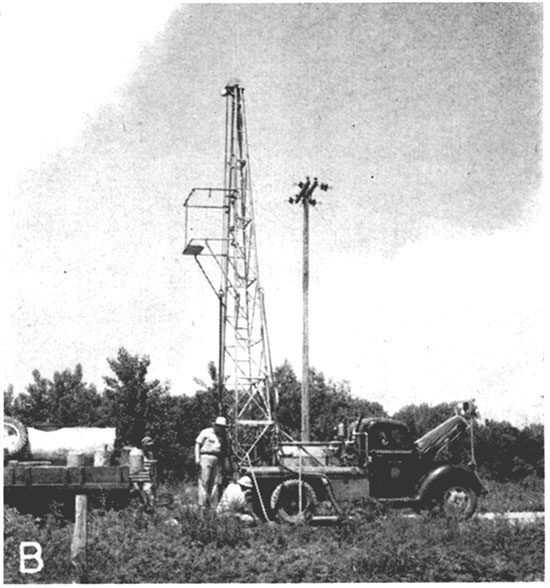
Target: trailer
45 465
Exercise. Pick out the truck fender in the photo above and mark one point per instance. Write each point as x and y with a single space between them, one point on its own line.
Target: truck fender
436 480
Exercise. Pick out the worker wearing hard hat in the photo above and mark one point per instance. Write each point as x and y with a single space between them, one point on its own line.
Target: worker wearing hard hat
235 501
210 449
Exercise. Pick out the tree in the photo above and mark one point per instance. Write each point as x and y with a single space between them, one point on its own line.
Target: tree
163 424
330 403
130 400
75 402
65 401
421 418
530 459
499 450
35 406
289 407
9 400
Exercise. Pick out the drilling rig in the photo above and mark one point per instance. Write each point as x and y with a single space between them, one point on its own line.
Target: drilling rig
244 374
297 481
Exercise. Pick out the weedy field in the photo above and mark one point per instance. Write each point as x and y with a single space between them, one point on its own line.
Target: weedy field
180 545
526 495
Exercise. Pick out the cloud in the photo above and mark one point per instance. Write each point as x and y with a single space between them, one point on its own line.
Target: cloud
448 317
66 59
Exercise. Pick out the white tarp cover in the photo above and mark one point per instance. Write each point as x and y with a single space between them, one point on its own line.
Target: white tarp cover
54 445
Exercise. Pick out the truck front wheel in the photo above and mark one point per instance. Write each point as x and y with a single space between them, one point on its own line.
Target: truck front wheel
458 502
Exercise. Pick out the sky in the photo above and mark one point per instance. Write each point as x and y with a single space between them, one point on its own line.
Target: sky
427 281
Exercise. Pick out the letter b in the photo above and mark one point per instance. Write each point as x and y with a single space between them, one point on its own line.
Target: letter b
24 556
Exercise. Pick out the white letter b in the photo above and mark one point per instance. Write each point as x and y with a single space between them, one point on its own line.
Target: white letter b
36 555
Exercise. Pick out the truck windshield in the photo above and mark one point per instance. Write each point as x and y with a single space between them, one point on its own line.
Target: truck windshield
391 438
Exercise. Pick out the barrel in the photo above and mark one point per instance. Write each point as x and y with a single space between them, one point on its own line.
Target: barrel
75 459
125 456
136 460
102 457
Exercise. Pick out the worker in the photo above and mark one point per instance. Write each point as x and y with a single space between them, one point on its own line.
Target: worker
147 447
149 466
352 431
235 502
210 450
144 483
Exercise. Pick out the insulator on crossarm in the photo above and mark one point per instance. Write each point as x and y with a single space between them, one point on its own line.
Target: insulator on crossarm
230 86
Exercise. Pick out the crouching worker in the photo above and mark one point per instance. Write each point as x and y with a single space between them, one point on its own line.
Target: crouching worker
235 502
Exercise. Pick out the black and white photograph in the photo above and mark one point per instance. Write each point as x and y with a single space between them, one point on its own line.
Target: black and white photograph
274 292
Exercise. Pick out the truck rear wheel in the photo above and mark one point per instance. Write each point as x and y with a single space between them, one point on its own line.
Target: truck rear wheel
293 501
15 436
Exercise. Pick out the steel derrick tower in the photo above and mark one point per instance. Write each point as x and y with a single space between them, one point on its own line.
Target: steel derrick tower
244 377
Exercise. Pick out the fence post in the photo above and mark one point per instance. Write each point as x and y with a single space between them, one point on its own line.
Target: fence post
79 542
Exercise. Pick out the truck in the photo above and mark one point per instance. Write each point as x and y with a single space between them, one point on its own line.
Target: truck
375 460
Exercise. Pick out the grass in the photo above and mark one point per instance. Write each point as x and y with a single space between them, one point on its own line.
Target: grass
524 496
181 545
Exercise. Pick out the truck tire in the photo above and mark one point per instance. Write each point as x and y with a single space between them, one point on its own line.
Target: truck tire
285 501
15 436
457 501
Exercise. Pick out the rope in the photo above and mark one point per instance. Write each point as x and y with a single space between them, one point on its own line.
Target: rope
300 484
257 489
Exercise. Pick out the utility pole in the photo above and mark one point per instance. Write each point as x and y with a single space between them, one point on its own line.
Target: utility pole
305 197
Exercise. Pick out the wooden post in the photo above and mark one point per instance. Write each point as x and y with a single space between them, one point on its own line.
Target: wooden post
305 197
79 542
305 325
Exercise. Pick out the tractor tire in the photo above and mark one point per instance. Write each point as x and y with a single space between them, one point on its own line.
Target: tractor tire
15 436
457 501
285 502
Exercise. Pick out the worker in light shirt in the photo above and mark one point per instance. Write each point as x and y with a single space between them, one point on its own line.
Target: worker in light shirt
210 449
235 502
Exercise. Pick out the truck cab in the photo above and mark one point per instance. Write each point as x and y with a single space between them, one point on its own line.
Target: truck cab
391 459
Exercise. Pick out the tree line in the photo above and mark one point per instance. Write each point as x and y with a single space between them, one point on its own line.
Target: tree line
138 406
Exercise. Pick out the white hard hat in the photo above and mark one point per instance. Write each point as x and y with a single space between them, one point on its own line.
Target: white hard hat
245 482
222 421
